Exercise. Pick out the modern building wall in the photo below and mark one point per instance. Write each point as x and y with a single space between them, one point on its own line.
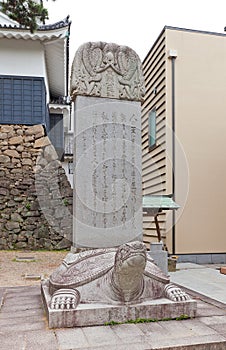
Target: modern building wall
154 159
200 129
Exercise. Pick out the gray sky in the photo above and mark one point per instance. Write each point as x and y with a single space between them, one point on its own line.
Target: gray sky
135 23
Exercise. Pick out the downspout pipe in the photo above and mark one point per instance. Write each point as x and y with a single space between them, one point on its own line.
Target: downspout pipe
173 55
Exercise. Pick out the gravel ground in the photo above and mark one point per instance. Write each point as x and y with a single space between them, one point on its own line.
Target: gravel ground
26 268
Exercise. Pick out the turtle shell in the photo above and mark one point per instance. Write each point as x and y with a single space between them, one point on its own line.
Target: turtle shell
79 269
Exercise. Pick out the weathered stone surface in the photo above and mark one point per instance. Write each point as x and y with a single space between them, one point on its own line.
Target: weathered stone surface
3 143
26 155
20 148
26 161
16 140
11 153
29 138
23 222
4 159
19 132
7 128
3 136
11 225
107 70
35 129
63 244
42 142
16 217
50 153
4 191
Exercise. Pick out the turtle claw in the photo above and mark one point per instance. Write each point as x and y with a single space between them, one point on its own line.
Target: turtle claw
174 293
65 299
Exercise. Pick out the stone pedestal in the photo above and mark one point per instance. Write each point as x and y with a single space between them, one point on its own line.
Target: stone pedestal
100 314
159 256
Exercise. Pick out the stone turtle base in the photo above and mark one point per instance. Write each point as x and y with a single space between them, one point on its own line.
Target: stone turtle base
100 314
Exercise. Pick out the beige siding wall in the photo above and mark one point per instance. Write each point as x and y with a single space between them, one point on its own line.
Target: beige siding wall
154 161
200 73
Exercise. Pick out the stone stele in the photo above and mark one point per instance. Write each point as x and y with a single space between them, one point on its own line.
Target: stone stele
107 70
107 87
116 281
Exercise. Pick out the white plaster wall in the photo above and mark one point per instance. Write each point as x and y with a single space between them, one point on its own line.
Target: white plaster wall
23 58
69 176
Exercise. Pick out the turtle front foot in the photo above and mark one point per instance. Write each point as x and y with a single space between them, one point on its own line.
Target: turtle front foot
174 293
65 299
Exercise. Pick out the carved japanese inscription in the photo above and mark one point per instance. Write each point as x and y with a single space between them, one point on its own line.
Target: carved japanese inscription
107 70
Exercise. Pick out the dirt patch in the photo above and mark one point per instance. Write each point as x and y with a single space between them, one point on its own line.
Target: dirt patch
23 268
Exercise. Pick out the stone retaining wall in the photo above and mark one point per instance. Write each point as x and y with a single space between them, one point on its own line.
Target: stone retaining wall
35 195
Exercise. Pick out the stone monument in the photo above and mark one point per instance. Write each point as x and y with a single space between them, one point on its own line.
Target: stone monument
115 279
107 86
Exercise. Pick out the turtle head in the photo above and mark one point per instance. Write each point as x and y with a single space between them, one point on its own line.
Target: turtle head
132 254
127 275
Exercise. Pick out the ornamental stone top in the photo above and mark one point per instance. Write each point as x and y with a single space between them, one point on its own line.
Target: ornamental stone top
107 70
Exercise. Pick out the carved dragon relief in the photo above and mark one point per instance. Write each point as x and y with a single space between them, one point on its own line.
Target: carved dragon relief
107 70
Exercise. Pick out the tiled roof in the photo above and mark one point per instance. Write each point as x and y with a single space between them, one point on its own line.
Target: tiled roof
60 24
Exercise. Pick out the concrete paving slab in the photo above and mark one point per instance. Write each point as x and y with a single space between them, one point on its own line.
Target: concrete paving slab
129 346
23 327
20 314
41 340
196 342
71 338
101 336
188 266
12 341
213 320
206 281
11 320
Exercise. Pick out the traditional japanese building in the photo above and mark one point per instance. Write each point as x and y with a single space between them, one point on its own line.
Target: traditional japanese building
34 77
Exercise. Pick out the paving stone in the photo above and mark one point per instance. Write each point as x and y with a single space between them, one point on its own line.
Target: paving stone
71 338
23 327
128 346
196 327
127 332
206 309
213 320
24 307
152 327
41 340
29 313
21 299
207 342
12 320
12 342
101 335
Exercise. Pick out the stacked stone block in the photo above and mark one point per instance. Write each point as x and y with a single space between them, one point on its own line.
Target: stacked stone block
35 195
